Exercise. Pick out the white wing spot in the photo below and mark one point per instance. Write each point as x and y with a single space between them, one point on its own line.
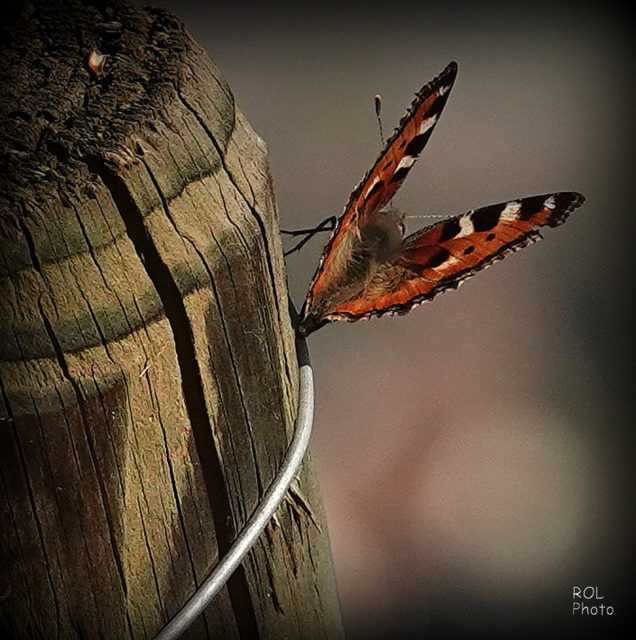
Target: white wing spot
550 203
449 262
366 193
405 163
466 226
427 124
510 211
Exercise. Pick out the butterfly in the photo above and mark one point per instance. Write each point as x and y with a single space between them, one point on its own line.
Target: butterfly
368 268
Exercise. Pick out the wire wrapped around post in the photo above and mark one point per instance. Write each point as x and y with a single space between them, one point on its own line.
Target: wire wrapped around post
272 499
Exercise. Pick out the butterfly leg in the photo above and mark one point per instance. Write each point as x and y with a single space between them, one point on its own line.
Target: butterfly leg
328 224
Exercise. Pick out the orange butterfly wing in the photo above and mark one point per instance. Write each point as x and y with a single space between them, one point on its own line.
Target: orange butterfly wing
443 255
385 177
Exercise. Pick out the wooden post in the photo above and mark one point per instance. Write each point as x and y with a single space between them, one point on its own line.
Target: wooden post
148 381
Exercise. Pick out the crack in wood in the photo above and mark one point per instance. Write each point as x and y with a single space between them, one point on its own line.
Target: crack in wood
235 368
32 503
79 397
175 494
255 215
192 384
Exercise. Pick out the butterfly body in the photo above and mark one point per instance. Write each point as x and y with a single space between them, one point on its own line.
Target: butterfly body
368 269
361 255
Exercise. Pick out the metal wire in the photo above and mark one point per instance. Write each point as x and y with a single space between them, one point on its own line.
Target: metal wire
264 511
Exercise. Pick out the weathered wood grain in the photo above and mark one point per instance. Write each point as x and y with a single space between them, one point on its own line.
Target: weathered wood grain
147 367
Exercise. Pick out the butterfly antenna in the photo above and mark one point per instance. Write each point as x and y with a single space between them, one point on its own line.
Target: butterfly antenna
378 114
425 216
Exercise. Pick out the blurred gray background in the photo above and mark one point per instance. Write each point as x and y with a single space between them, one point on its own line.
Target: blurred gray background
474 456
